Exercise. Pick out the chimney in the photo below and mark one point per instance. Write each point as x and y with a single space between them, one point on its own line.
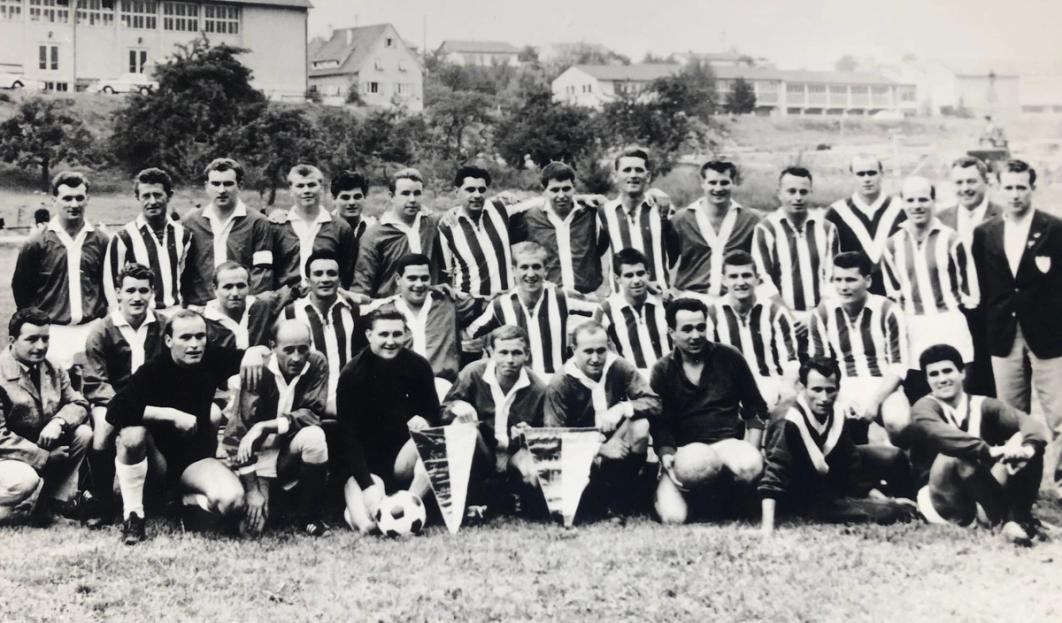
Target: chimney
350 35
329 32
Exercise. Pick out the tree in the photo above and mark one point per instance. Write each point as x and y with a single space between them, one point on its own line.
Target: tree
742 98
276 141
46 133
528 54
452 113
544 130
846 63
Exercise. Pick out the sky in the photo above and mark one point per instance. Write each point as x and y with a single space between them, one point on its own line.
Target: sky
794 34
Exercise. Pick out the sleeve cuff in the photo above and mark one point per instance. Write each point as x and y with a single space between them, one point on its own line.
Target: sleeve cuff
283 425
262 258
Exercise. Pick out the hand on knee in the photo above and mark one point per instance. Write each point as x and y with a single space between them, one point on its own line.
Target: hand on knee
231 505
639 436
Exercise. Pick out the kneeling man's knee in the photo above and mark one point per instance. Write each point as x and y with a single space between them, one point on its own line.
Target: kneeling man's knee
696 463
18 481
312 445
132 438
639 436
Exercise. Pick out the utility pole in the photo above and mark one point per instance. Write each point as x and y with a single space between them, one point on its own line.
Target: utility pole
73 45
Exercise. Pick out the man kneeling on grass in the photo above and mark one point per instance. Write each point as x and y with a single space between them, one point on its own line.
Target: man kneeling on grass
598 389
814 468
274 437
163 417
976 457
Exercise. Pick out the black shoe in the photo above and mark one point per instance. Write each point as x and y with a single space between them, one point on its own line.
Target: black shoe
133 529
94 513
316 528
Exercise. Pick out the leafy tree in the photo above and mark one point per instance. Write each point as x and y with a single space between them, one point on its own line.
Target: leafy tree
452 113
276 141
528 54
354 95
545 131
846 63
203 103
742 97
45 133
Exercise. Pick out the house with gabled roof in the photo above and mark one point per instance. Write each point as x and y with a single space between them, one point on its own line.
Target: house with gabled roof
374 60
479 53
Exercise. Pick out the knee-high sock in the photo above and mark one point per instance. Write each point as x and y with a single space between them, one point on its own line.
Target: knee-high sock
312 480
101 463
131 481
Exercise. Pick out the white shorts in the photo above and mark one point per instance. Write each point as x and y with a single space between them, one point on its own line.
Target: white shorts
66 341
855 390
926 330
771 388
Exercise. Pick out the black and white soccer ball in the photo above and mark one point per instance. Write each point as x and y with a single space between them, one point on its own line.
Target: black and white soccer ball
400 515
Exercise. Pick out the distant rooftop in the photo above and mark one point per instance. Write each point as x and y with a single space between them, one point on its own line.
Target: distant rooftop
647 72
478 47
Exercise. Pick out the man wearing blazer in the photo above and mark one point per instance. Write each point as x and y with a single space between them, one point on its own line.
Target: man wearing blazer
969 175
1018 257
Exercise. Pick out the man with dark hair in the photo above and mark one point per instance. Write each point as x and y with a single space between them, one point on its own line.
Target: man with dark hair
634 317
866 334
307 227
598 389
349 191
812 466
974 456
475 242
42 430
404 228
1018 257
384 392
867 218
709 228
709 432
153 240
60 269
274 437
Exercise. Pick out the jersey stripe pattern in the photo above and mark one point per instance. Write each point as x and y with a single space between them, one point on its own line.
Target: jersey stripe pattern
478 255
166 258
765 336
927 276
644 232
640 336
795 261
872 344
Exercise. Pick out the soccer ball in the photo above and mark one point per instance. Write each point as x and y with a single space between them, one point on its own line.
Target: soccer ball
400 515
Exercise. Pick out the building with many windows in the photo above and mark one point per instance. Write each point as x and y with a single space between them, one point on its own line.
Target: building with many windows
374 60
73 43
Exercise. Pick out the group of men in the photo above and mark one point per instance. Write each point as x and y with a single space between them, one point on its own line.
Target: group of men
839 363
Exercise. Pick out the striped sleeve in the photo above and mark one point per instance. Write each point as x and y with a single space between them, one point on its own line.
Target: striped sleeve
896 341
763 256
819 344
487 321
784 335
112 265
965 276
580 307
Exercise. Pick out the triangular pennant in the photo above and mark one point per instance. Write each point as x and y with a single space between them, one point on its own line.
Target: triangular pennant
446 452
562 458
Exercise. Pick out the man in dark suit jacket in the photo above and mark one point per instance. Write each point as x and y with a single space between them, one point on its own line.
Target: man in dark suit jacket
1018 257
969 175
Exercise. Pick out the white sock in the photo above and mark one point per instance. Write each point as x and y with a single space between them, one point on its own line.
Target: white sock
131 481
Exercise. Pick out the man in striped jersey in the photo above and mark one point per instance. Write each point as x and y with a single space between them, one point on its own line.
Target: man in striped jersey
926 272
868 217
761 329
866 334
702 234
538 307
637 219
331 317
635 318
227 229
403 229
794 249
153 240
475 242
249 317
349 191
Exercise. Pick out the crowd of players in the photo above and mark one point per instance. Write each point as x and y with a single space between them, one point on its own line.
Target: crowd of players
839 363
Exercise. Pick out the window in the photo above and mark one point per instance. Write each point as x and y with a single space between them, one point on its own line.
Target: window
140 14
180 16
816 88
907 94
49 11
95 12
56 86
137 60
377 64
372 87
221 18
10 9
327 64
390 41
48 57
795 88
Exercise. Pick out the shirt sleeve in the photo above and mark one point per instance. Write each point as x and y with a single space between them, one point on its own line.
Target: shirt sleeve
662 426
554 410
896 338
127 407
930 432
16 447
25 281
367 266
112 266
753 406
644 401
778 462
264 245
96 380
763 257
463 389
349 416
73 408
307 409
486 322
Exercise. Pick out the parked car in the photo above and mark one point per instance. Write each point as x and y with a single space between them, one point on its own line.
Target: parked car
19 81
125 83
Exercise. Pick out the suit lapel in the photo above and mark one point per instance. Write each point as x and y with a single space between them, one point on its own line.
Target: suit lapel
1037 236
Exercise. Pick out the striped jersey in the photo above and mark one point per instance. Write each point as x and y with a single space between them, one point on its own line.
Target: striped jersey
795 261
765 336
477 253
872 344
546 323
927 276
644 229
332 333
639 335
136 242
867 234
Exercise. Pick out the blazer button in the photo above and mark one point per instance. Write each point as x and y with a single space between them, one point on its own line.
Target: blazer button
1013 314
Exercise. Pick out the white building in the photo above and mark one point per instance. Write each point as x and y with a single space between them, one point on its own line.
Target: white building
479 53
386 71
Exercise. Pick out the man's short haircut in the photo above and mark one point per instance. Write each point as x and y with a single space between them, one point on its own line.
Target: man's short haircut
628 257
73 179
41 215
27 315
932 189
966 162
684 303
557 171
404 174
224 164
1018 166
349 180
181 314
940 352
795 172
133 270
385 313
739 257
229 265
590 326
411 259
854 259
305 170
153 175
634 152
467 171
721 166
851 168
528 247
826 366
507 332
320 254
